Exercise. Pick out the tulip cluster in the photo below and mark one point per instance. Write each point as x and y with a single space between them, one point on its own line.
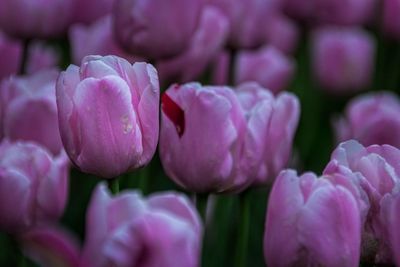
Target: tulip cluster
104 104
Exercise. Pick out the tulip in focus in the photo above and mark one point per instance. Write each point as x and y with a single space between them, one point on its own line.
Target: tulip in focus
378 171
28 109
371 119
215 139
35 18
267 66
108 114
156 28
391 216
128 230
274 121
95 39
11 55
343 59
311 222
33 186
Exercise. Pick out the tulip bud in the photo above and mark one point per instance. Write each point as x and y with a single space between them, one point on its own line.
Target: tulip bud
29 109
33 186
371 119
343 59
108 114
311 222
127 230
35 18
156 28
267 66
10 52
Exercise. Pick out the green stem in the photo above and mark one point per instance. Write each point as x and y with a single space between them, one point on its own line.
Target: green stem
143 180
22 262
243 233
201 204
113 184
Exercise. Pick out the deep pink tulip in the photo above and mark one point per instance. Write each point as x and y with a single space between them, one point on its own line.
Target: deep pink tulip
33 185
11 55
342 59
311 222
50 246
156 28
35 18
29 109
265 114
391 18
378 171
371 119
95 39
41 57
109 114
206 42
267 66
128 230
90 10
248 19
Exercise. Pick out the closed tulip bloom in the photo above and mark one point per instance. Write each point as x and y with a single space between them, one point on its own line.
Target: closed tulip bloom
379 171
342 59
29 109
311 222
50 245
282 33
156 28
274 121
95 39
35 18
128 230
390 18
10 52
267 66
391 217
205 44
108 114
371 119
33 185
207 144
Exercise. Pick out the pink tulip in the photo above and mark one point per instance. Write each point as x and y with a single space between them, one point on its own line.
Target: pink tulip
156 28
311 222
391 20
343 59
41 57
29 109
35 18
265 114
205 44
90 10
267 66
249 20
51 246
282 33
10 52
33 186
371 119
95 39
108 114
220 68
378 171
127 230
